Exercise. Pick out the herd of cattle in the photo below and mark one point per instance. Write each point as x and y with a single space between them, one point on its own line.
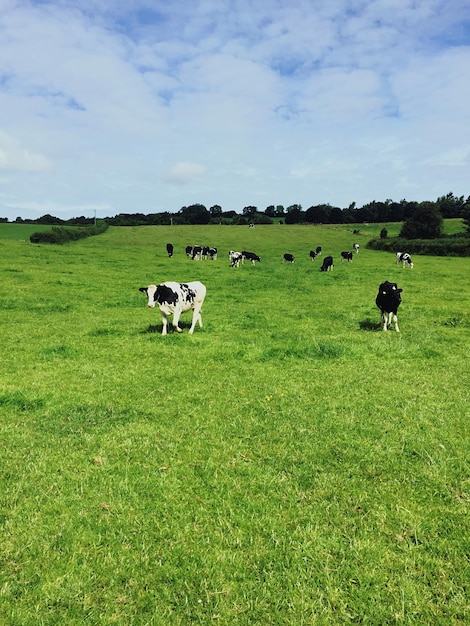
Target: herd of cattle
175 298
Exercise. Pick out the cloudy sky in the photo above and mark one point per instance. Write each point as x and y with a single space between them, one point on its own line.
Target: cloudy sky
152 105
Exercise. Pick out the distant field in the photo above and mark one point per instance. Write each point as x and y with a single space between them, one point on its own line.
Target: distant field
288 464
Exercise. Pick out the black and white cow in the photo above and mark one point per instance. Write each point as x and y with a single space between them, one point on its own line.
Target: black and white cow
176 298
388 300
405 259
356 248
169 249
189 251
197 253
289 258
235 258
313 254
204 252
318 250
346 256
213 254
250 256
327 264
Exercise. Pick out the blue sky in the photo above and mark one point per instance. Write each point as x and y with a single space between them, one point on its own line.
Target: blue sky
149 105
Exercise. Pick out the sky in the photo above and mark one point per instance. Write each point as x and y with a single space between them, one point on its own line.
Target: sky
147 106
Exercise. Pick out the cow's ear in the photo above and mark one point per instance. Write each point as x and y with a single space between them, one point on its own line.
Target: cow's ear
399 290
143 289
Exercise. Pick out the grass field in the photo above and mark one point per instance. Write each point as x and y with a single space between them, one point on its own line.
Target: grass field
288 464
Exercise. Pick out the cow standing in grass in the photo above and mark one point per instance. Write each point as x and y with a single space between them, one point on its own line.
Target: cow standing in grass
289 258
405 259
169 249
235 258
174 299
250 256
346 256
388 300
327 264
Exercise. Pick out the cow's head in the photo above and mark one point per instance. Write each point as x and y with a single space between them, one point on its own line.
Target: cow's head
390 289
150 291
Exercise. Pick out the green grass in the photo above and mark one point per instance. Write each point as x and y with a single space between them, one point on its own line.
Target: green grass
290 463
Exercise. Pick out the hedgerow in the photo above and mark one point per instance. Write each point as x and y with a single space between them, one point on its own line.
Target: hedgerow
60 235
443 246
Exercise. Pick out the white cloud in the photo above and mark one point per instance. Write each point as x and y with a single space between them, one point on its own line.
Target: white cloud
112 104
184 173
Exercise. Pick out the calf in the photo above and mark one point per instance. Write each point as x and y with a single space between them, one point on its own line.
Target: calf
235 258
213 254
405 259
327 264
388 300
346 256
318 250
189 251
289 258
169 249
197 253
356 248
176 298
251 256
313 254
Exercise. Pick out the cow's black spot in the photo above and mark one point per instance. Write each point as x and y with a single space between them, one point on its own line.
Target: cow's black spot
165 294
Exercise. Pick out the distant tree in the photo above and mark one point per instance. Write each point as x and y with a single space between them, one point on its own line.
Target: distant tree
216 210
295 215
425 223
249 210
318 214
466 217
270 210
49 219
3 219
194 214
280 211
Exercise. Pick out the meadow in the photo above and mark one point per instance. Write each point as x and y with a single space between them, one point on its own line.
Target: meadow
288 464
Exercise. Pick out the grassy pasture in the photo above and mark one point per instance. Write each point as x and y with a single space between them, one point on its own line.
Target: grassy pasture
290 463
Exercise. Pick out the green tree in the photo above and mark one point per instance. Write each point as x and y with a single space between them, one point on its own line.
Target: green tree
425 223
195 214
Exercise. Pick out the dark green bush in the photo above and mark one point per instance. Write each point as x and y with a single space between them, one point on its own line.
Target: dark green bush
443 246
60 235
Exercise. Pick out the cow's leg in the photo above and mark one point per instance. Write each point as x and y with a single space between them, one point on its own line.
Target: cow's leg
395 320
165 324
196 318
176 319
384 320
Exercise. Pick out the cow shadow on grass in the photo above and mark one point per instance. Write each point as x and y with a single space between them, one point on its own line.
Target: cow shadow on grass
370 325
157 328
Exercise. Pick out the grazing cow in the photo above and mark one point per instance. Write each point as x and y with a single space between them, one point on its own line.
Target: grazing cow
176 298
313 254
327 264
318 250
356 247
251 256
197 253
289 258
251 225
405 259
169 249
346 256
388 300
189 251
213 254
205 252
235 258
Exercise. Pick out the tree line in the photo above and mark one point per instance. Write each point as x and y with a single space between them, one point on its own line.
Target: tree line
448 206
